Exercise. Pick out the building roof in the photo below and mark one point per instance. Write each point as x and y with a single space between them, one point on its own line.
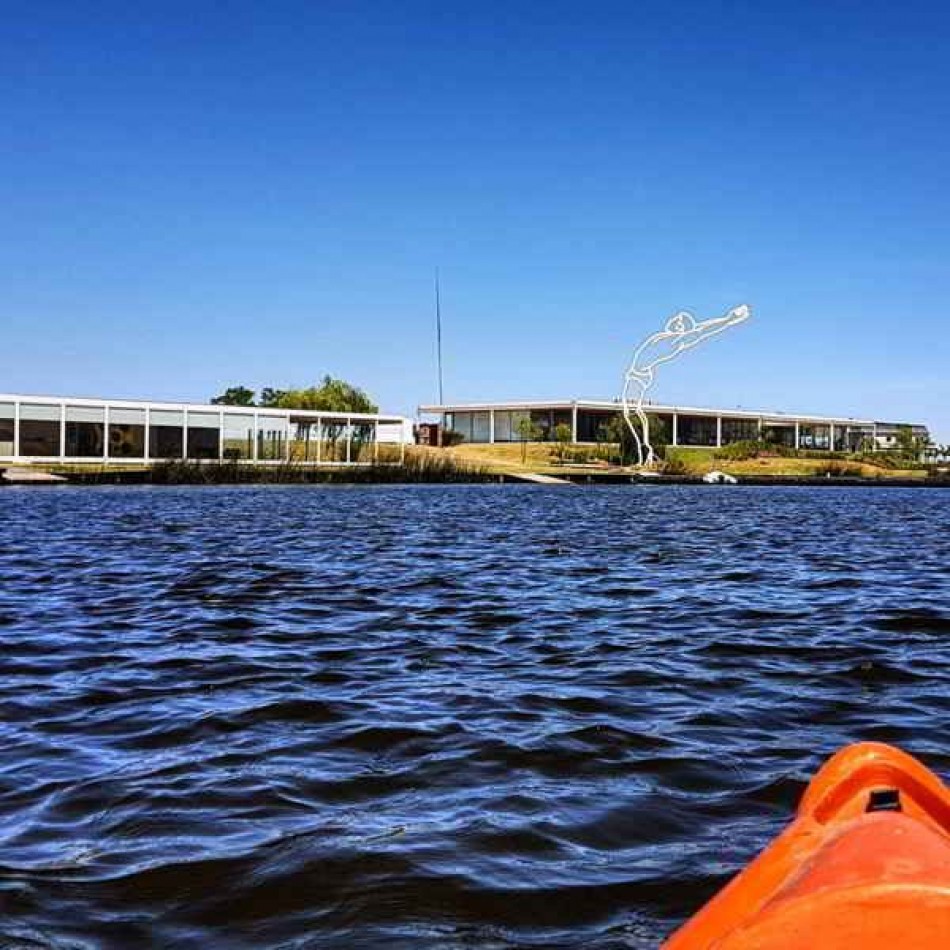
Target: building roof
294 414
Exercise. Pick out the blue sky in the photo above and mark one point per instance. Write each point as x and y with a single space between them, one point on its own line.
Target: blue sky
202 194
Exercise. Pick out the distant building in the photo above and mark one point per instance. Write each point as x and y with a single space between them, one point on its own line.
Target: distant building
687 425
68 429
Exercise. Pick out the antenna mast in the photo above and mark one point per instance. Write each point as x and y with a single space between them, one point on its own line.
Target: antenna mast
438 331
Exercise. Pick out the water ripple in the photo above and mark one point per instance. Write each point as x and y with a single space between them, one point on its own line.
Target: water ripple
485 716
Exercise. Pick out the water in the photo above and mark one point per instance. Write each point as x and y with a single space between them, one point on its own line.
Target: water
438 717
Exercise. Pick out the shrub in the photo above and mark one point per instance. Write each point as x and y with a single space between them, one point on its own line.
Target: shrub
836 469
675 466
741 451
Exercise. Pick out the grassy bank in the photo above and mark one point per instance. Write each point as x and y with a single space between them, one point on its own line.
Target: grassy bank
542 458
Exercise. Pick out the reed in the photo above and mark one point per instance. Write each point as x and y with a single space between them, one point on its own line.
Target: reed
416 468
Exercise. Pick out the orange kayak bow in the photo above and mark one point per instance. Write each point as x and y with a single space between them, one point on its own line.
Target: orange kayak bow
865 865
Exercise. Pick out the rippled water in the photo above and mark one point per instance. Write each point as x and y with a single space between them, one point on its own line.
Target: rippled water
476 716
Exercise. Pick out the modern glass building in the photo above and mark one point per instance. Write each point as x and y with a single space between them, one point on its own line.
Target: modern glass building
590 421
63 429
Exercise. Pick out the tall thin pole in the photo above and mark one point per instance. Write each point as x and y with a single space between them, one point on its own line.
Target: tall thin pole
438 330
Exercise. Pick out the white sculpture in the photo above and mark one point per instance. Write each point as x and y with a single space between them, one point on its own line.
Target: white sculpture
681 333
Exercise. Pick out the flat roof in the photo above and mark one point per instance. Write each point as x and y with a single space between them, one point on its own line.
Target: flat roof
293 414
767 415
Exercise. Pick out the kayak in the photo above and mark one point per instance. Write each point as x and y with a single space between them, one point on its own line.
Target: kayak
864 865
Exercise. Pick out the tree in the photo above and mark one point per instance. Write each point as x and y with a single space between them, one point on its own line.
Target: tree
659 434
332 395
235 396
562 435
529 431
907 443
271 396
618 431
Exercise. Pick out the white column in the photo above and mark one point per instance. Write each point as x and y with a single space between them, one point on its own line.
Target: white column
184 433
759 421
574 423
147 455
718 432
16 428
376 441
491 426
676 434
349 441
221 436
255 454
287 432
319 438
106 416
797 436
831 437
62 431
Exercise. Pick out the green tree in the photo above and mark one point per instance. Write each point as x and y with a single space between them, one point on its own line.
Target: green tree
659 435
529 431
235 396
562 435
332 395
271 396
907 443
618 432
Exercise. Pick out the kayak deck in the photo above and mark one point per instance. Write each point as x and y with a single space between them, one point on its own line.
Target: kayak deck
865 864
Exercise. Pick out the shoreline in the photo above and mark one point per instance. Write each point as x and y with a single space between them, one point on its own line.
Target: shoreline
223 474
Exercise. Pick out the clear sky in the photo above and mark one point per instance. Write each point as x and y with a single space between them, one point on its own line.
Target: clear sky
198 194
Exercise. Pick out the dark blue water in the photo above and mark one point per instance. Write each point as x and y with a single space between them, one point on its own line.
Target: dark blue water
438 717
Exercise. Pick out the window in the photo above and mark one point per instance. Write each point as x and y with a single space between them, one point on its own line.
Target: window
779 434
739 430
85 432
462 423
40 430
204 433
695 430
238 436
814 437
481 427
7 427
127 433
271 437
166 438
504 431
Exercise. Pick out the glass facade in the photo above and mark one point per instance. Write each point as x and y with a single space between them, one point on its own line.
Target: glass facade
166 439
40 430
593 426
814 437
85 432
779 434
204 434
272 433
543 420
7 428
696 430
481 427
238 436
739 430
127 433
505 430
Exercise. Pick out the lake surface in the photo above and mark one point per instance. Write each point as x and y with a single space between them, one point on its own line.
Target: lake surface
453 717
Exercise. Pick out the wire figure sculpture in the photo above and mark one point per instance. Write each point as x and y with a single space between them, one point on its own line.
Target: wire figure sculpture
681 333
